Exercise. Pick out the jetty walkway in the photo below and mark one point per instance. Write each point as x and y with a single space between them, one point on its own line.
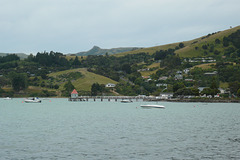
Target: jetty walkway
112 98
151 98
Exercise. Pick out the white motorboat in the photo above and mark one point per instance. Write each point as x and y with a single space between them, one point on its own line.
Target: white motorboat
7 98
33 100
126 101
153 106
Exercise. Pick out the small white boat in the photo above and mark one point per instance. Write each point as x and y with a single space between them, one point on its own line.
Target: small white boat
153 106
33 100
7 98
126 101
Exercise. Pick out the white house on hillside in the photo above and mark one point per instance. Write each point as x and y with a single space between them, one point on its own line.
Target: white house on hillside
110 85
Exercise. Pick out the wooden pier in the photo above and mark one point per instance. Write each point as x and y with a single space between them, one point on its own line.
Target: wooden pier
149 98
111 98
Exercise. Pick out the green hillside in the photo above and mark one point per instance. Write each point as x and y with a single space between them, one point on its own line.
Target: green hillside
149 50
85 82
191 51
190 46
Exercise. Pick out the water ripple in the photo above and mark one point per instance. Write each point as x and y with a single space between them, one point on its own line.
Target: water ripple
110 130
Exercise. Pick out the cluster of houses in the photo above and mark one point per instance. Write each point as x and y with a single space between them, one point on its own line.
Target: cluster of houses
204 60
178 76
167 95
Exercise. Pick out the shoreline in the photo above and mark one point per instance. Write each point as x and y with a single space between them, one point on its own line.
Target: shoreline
161 100
199 100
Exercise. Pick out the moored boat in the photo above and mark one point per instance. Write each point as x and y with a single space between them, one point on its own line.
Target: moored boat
33 100
153 106
7 98
126 101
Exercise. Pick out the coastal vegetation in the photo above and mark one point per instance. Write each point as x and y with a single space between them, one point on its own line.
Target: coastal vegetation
206 66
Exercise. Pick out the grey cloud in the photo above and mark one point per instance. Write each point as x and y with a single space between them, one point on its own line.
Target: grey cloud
77 25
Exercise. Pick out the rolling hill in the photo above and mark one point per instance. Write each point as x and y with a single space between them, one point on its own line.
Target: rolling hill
191 51
99 51
190 46
21 55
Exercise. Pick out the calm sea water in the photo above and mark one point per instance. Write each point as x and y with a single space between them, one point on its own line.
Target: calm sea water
58 129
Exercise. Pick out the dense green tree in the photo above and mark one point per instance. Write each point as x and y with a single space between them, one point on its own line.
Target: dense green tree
1 91
126 68
216 52
177 86
31 58
3 81
217 41
43 84
228 51
181 45
51 59
234 87
162 54
43 73
8 65
238 92
210 91
130 90
235 38
76 62
96 88
139 81
132 77
225 42
9 58
69 87
177 47
19 81
204 46
171 62
211 49
187 92
205 53
207 91
195 91
214 83
228 72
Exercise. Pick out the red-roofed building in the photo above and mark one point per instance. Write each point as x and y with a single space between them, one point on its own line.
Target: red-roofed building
74 94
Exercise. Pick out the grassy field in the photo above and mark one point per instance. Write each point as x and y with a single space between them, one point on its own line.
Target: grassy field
84 83
154 65
148 73
205 66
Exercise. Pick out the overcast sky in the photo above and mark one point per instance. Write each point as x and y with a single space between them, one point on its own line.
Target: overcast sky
70 26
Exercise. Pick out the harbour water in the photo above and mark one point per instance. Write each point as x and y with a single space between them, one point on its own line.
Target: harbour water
59 129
